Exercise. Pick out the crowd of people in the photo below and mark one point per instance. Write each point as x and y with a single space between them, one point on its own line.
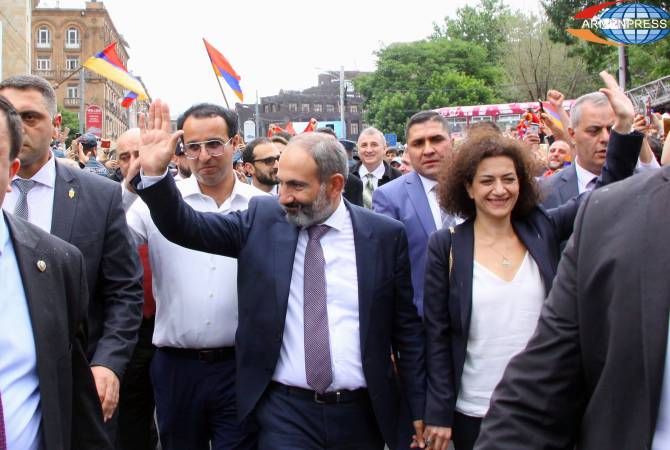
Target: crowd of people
188 290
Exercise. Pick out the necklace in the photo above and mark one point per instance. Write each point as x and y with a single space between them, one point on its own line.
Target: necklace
506 262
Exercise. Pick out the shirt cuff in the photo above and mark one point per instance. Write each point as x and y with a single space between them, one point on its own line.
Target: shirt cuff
127 197
148 181
650 165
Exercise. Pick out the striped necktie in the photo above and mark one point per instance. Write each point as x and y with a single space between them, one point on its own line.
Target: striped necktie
24 186
3 438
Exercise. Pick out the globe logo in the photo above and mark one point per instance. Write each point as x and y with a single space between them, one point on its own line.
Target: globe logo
640 29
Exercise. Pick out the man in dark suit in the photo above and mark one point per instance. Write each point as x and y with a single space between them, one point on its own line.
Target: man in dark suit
372 169
590 124
47 394
324 295
84 210
411 199
596 374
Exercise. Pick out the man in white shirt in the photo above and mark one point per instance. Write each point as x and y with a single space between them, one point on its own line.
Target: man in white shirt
373 170
325 296
193 369
591 119
412 199
261 162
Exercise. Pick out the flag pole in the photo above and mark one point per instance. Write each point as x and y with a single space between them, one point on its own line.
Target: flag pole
216 76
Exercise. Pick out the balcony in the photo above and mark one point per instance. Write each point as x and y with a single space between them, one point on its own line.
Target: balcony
72 45
44 73
43 45
71 102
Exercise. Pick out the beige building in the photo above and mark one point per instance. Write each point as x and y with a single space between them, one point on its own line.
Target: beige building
15 34
62 39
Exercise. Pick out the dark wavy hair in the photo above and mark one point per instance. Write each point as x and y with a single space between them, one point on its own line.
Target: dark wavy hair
458 172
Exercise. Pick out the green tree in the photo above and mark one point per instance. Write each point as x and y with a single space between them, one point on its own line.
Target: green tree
71 121
426 74
483 24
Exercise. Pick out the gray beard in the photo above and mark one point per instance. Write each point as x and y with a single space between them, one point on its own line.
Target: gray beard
309 215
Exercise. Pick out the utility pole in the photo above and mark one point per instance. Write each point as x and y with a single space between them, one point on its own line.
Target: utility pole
344 125
622 68
82 106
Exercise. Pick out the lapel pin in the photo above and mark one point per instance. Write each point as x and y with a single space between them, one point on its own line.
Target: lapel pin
71 193
41 265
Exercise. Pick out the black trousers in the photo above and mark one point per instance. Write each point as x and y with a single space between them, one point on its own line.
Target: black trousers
465 431
136 429
290 422
196 406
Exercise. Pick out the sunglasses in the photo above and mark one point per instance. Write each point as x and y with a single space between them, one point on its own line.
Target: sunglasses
213 147
269 161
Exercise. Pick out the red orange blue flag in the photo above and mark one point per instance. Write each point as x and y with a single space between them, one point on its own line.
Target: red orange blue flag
108 64
223 69
552 113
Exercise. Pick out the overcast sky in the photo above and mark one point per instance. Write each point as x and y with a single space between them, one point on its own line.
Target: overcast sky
272 45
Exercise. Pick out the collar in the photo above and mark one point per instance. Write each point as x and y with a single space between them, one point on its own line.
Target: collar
378 173
4 233
189 186
46 175
337 218
428 184
583 176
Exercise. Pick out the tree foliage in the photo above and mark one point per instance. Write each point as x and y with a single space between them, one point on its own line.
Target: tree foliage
71 121
425 74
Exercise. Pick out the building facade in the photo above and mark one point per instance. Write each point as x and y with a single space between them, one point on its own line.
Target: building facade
62 40
321 102
15 37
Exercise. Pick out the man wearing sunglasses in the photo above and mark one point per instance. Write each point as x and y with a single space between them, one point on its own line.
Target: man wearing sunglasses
193 370
261 161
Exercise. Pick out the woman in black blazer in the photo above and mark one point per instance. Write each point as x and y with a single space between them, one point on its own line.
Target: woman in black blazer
494 269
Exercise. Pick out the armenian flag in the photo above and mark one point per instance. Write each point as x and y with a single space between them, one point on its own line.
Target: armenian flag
128 99
552 113
223 69
107 64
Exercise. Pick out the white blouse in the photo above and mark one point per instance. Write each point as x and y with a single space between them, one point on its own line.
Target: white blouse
504 316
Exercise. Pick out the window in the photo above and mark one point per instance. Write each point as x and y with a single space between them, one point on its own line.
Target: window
266 108
43 63
318 107
293 107
72 63
353 109
330 108
304 107
43 37
354 128
72 38
73 91
274 107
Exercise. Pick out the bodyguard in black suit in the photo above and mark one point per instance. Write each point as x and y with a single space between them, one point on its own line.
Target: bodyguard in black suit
85 210
48 275
266 239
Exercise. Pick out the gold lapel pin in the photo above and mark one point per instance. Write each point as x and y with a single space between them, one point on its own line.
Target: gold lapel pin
41 265
71 193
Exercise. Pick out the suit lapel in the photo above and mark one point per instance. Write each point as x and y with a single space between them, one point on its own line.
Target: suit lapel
537 249
43 314
285 242
655 290
463 251
367 249
417 195
66 197
569 188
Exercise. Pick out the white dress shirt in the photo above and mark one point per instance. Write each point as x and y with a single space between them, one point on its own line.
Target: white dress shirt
377 174
504 316
195 292
430 186
19 383
662 433
40 197
342 306
584 177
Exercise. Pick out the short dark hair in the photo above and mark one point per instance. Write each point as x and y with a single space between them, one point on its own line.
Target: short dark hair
14 127
35 83
248 152
426 116
279 140
204 110
284 134
484 125
460 171
327 130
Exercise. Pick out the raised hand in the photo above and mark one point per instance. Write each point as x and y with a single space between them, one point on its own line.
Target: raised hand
555 98
157 143
621 104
